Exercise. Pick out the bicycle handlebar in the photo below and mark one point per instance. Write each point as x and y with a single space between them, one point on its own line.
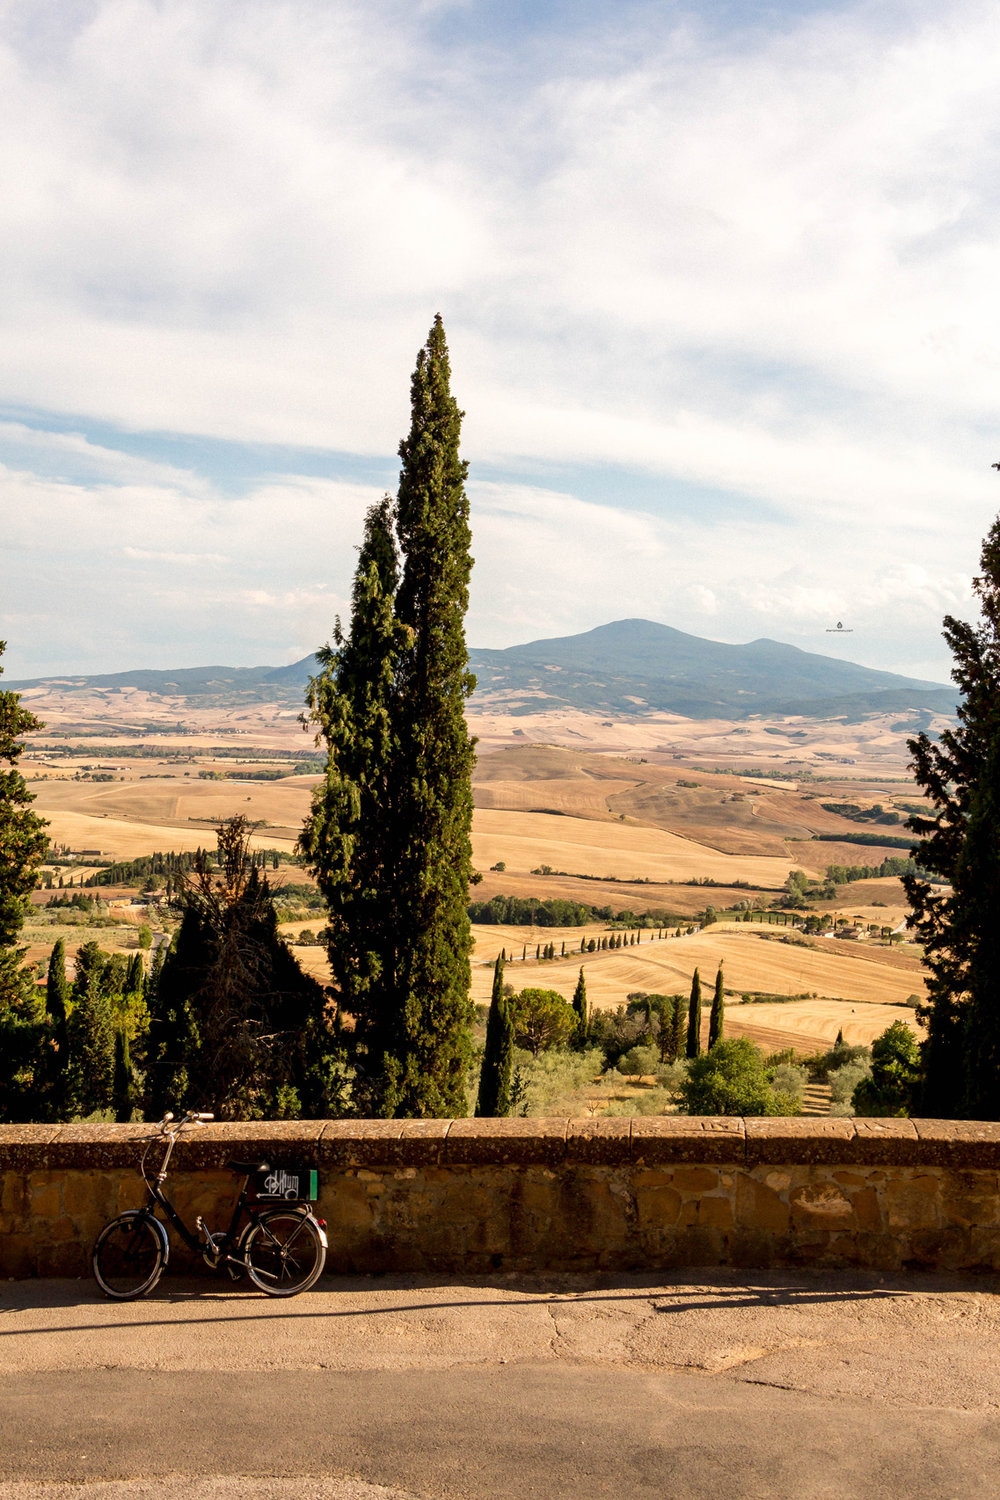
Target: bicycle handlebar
192 1118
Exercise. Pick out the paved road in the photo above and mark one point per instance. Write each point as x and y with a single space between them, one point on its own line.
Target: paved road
817 1386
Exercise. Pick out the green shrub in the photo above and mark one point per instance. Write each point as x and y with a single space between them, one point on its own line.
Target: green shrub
552 1083
732 1080
843 1082
640 1061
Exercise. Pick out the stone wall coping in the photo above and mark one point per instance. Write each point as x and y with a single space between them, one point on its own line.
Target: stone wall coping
962 1144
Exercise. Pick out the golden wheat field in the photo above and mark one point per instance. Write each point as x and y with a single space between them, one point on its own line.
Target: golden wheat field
526 841
854 987
625 808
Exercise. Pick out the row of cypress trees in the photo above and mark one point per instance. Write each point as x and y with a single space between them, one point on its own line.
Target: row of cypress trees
495 1096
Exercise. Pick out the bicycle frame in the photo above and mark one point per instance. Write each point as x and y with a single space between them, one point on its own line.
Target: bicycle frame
216 1249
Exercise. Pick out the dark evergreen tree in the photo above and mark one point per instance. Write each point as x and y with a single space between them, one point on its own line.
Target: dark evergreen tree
433 1036
958 923
718 1011
123 1083
23 1028
694 1017
55 1071
135 976
581 1007
393 820
498 1054
236 1027
350 837
91 1045
677 1037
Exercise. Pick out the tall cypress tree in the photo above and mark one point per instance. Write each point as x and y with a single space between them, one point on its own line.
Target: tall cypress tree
958 923
718 1011
677 1038
582 1008
92 1045
123 1081
350 836
431 1028
694 1017
55 1073
390 832
498 1054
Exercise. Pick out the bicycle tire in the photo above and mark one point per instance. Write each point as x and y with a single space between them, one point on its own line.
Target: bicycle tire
284 1252
129 1257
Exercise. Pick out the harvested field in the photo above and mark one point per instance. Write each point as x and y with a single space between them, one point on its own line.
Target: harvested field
750 963
525 841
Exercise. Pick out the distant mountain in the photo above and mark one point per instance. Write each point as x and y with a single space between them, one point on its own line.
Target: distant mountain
637 666
629 667
190 682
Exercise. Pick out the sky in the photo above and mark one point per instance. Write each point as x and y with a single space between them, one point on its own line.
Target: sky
719 282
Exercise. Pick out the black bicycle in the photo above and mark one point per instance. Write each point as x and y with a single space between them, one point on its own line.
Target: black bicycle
282 1248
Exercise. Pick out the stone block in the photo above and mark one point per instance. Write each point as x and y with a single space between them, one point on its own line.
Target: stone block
866 1208
514 1142
961 1144
607 1141
711 1213
819 1205
352 1143
13 1193
24 1145
687 1138
803 1141
971 1198
759 1209
913 1203
696 1179
886 1142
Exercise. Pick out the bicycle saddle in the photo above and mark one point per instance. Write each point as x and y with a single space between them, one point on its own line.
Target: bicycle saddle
248 1167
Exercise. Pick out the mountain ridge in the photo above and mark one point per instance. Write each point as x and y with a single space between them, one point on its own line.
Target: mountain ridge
628 667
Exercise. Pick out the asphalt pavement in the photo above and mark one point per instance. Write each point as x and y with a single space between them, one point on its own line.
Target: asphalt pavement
748 1386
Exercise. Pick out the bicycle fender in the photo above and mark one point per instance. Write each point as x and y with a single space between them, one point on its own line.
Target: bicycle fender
142 1213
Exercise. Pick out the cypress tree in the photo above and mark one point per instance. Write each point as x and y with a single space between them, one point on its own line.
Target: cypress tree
958 923
434 862
677 1038
55 1079
349 838
694 1017
92 1045
498 1055
581 1007
717 1014
134 976
390 831
122 1085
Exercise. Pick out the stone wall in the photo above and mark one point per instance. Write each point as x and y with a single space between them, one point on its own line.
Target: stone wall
476 1196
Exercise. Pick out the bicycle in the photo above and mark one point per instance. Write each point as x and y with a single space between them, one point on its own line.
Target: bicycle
281 1249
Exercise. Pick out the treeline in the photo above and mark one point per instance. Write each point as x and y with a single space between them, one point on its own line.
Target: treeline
171 866
882 840
264 773
844 874
529 911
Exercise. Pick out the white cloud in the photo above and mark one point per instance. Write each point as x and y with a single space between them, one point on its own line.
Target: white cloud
759 263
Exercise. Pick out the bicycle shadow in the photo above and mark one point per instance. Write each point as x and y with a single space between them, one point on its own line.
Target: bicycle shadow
710 1292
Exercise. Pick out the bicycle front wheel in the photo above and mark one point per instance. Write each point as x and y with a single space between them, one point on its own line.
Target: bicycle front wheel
284 1252
128 1257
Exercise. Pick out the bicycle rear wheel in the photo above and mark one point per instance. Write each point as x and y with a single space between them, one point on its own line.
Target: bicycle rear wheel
128 1257
285 1252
